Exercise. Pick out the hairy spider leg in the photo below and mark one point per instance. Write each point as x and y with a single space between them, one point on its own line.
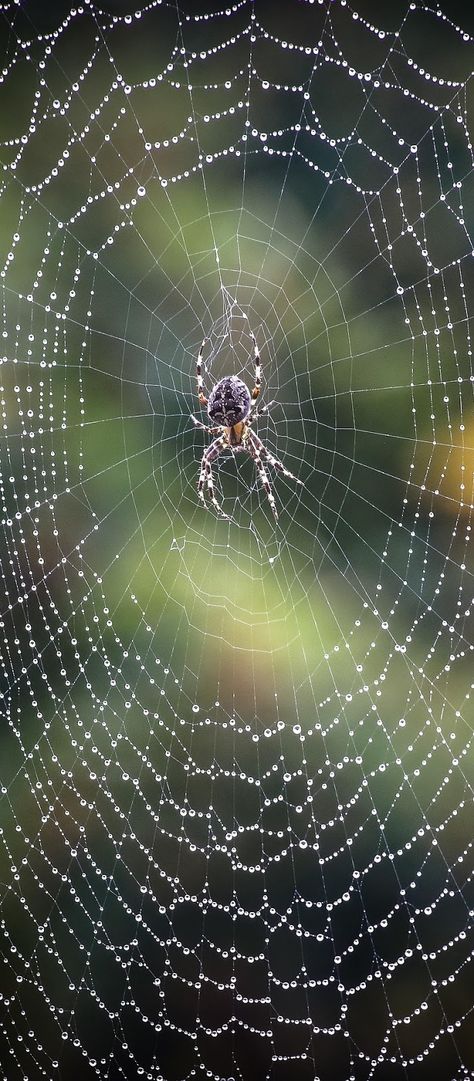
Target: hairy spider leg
206 427
201 395
212 452
253 438
260 410
258 370
255 452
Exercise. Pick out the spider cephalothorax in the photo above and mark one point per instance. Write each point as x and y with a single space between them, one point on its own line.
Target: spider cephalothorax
231 407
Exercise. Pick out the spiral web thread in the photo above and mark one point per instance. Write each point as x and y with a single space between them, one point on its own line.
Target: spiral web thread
235 754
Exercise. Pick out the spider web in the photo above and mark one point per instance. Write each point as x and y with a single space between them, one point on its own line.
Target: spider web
235 755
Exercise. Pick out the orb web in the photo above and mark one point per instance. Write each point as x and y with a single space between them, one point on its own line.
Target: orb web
235 754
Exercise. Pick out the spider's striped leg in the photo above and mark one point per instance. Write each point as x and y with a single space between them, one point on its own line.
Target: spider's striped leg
255 452
270 458
205 427
260 410
258 370
201 395
212 452
210 488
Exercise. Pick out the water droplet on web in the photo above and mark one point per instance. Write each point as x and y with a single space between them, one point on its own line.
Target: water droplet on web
109 286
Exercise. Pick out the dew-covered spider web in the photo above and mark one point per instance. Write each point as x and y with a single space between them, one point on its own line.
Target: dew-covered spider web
236 767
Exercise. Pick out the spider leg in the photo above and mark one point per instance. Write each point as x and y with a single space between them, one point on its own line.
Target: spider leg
205 427
212 452
201 395
258 370
253 438
254 450
260 410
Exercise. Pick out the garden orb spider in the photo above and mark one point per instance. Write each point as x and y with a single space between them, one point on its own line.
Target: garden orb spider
233 408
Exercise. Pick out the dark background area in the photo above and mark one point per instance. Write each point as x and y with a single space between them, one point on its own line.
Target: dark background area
235 759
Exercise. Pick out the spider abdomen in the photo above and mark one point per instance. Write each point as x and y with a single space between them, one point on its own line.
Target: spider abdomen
229 402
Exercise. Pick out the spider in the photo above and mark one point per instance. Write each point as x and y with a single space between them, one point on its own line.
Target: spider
232 406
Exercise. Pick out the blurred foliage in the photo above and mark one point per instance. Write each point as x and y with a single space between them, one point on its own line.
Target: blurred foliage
367 412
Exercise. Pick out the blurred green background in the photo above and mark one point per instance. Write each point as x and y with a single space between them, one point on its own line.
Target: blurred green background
165 178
